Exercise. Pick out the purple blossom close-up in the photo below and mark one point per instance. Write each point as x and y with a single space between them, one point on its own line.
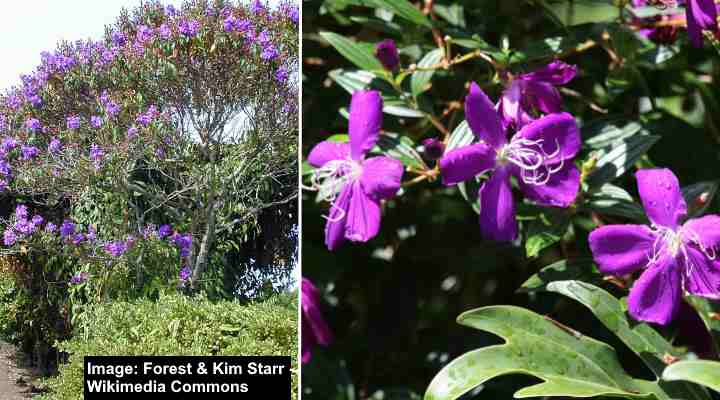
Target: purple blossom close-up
354 184
676 255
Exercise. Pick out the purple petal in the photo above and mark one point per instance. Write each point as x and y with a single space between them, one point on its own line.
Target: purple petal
661 197
328 151
381 177
621 249
497 208
363 218
656 296
707 228
701 15
511 105
557 131
482 117
463 163
702 275
543 96
365 122
559 191
311 311
556 73
337 219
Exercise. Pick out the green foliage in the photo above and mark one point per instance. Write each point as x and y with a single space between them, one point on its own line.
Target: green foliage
705 373
177 325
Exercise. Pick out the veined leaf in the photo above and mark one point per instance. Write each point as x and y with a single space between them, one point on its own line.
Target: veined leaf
402 8
401 148
359 55
569 363
614 200
420 79
575 269
641 338
619 158
702 372
604 132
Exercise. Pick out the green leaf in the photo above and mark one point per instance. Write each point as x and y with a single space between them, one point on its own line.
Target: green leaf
402 8
641 338
402 111
420 79
619 157
706 373
575 269
393 104
614 200
708 312
454 14
580 12
569 363
359 55
698 196
545 231
607 131
401 148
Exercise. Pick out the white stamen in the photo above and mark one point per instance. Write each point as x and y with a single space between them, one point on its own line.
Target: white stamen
676 241
530 157
330 179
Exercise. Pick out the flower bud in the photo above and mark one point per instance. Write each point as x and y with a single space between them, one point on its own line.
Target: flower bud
434 148
387 53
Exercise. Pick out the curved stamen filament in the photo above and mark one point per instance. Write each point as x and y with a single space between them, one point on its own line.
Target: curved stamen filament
330 179
531 157
673 242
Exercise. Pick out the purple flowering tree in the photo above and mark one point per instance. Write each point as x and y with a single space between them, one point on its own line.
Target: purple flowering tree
151 154
544 161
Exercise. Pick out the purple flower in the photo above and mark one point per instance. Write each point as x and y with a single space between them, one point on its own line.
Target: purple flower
229 24
535 92
50 227
355 185
96 121
244 25
79 278
132 132
111 108
119 38
185 273
387 52
189 28
9 143
315 330
29 152
144 34
264 37
164 230
33 124
539 155
9 237
269 53
92 233
55 146
96 155
21 211
5 169
77 238
281 74
3 185
24 226
170 10
35 100
117 248
434 148
67 228
73 122
675 257
183 242
165 31
37 220
701 16
257 7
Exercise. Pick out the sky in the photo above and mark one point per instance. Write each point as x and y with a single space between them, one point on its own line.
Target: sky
29 27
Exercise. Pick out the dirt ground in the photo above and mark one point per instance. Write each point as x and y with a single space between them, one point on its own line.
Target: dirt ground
15 380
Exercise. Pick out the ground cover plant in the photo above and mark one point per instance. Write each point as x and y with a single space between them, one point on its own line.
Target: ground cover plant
511 199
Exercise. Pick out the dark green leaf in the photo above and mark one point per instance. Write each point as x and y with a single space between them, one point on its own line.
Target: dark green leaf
419 81
619 157
702 372
359 55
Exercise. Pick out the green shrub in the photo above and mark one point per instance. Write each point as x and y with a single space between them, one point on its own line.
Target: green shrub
8 307
177 325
